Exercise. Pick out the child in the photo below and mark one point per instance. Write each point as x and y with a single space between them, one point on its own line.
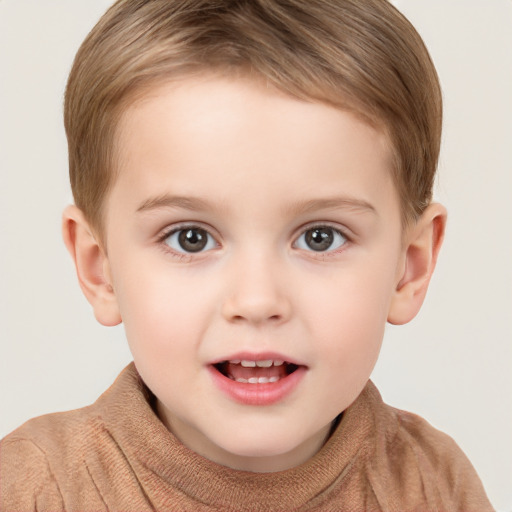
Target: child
253 184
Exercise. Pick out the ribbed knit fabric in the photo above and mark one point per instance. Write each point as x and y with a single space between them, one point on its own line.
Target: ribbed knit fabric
116 455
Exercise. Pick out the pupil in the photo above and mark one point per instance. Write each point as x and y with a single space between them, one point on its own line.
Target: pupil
319 239
193 240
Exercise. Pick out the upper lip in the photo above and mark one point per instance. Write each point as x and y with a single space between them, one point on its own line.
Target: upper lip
258 356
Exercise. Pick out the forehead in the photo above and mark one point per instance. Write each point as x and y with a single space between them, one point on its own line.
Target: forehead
215 136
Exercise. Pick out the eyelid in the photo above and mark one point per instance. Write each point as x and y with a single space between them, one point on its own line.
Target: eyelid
319 224
347 233
171 229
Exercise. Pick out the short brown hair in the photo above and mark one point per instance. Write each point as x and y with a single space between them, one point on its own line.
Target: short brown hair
357 54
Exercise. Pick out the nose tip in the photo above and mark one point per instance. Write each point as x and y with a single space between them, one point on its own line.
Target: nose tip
254 315
257 299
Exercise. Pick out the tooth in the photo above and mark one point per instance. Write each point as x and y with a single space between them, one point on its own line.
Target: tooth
248 364
243 381
264 364
278 362
263 380
253 380
235 361
273 379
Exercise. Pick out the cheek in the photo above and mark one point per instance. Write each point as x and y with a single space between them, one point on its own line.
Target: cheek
160 310
350 313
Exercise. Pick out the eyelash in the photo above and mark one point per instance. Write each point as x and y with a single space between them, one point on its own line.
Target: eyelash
181 256
188 256
330 252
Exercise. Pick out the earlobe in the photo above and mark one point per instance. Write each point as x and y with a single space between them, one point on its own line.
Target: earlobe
422 247
92 266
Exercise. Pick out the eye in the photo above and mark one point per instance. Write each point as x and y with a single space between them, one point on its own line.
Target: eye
321 239
190 240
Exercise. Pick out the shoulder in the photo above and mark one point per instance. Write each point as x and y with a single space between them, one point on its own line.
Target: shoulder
54 435
426 462
67 460
28 480
34 457
430 444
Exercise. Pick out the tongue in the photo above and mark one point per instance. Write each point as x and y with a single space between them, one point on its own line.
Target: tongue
237 371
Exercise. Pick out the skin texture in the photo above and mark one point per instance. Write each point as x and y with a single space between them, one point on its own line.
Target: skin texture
258 170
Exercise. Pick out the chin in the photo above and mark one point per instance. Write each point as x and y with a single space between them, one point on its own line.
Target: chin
258 450
266 453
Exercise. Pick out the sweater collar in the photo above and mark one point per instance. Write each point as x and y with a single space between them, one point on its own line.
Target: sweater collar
160 461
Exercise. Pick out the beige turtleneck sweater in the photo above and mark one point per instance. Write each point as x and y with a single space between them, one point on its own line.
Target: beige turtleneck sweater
116 455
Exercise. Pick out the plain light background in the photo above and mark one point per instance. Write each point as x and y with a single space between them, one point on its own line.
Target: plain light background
452 364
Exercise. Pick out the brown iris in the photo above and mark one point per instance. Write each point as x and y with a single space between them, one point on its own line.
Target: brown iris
319 239
193 239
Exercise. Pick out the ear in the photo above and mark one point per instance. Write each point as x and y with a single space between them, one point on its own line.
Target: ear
422 245
92 266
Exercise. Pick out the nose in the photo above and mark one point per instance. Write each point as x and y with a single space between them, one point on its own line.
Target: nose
257 293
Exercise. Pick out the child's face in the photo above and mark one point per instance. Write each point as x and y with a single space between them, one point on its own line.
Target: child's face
247 225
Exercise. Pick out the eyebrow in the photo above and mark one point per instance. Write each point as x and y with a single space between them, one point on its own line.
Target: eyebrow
301 207
168 201
332 203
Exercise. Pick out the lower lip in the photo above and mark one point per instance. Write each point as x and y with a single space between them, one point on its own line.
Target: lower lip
258 394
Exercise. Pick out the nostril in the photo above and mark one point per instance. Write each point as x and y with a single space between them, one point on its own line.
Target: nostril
241 318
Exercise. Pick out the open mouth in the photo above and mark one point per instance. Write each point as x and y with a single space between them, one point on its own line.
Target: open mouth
266 371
